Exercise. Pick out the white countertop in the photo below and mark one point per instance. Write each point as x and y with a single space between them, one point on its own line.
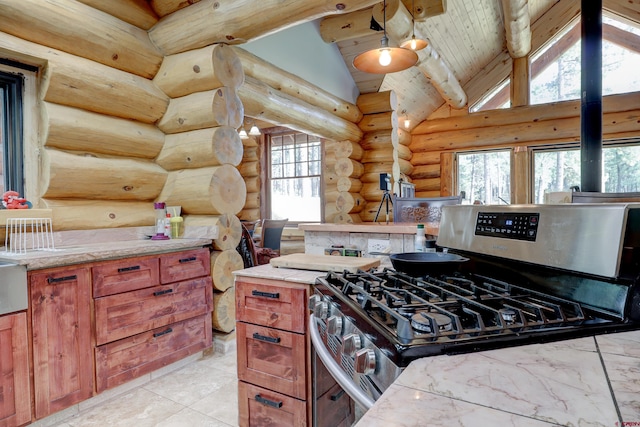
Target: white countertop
580 382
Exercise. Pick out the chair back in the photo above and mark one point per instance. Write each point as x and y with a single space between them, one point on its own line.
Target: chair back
246 249
271 233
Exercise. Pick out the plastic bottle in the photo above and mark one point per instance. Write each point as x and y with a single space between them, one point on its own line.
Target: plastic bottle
160 221
167 225
177 227
420 240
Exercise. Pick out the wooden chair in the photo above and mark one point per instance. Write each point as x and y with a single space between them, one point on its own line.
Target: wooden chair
270 237
247 249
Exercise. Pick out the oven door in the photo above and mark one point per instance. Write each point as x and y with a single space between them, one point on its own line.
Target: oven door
332 385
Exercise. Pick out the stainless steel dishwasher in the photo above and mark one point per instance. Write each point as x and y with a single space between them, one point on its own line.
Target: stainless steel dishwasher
13 287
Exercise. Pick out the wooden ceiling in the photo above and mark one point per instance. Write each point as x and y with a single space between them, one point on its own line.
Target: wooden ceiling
469 38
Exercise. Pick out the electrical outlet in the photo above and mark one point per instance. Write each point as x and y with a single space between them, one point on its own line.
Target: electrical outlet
377 245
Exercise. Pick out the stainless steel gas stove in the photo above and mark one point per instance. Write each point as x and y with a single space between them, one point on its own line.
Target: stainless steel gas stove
536 273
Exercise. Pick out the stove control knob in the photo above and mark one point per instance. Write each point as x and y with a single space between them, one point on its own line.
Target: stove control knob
334 325
365 361
321 310
313 300
351 343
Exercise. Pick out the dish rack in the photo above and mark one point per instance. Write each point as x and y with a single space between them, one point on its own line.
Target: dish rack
28 234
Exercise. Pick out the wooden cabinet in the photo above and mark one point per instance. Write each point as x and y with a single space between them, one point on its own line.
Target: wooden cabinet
62 350
15 393
273 353
96 326
157 313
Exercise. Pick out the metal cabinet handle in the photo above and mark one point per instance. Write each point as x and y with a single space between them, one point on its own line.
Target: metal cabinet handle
165 332
268 402
273 340
164 292
61 279
125 269
183 260
338 395
274 295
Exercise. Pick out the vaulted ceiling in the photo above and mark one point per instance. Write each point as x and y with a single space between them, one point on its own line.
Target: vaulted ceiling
472 45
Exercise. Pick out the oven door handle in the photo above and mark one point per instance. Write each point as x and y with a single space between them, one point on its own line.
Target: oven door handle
347 384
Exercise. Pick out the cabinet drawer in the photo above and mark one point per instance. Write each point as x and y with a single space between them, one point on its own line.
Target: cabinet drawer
259 406
281 307
184 265
272 358
122 315
124 360
114 277
336 409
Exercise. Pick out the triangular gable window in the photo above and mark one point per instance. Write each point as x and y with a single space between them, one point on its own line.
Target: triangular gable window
555 69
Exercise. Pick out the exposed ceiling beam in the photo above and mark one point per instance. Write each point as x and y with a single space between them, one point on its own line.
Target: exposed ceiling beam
238 21
554 20
517 25
626 39
399 29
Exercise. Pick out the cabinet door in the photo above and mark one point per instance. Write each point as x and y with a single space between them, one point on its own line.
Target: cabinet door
259 406
184 265
268 304
15 408
62 351
122 315
272 358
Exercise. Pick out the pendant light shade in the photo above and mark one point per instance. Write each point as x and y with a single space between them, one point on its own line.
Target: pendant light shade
254 131
385 59
243 133
414 43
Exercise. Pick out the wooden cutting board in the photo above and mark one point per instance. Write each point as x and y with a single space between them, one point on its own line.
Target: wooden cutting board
324 262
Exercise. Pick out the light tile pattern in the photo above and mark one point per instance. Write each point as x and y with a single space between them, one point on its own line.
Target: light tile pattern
203 393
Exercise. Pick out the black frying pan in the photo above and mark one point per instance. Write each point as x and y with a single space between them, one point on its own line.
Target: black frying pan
418 264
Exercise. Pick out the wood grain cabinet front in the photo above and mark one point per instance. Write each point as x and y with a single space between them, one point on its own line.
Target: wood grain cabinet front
60 307
274 375
161 314
15 401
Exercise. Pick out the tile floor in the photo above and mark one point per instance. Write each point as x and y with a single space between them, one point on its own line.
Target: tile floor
202 393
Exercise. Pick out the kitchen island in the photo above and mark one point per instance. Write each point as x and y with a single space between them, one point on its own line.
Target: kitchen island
379 237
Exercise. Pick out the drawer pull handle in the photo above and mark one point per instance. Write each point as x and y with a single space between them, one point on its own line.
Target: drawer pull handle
268 402
164 292
274 295
125 269
159 334
337 396
183 260
61 279
274 340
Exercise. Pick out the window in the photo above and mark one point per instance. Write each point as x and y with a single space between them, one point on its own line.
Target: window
11 140
555 68
295 177
485 177
559 170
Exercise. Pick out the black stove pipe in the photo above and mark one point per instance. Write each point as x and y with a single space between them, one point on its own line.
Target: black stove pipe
591 100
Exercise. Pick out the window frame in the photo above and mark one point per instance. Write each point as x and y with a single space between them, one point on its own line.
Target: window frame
277 131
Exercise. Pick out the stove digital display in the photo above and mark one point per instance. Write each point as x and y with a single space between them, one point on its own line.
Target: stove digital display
508 225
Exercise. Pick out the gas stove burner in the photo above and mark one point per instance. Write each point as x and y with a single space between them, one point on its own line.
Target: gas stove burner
421 321
508 315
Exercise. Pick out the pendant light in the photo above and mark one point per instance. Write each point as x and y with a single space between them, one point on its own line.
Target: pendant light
414 43
243 133
385 59
254 131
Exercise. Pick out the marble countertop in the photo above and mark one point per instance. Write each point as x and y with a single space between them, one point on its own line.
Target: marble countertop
80 246
592 381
